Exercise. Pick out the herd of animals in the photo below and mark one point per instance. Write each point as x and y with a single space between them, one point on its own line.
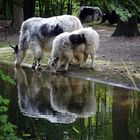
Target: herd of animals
65 36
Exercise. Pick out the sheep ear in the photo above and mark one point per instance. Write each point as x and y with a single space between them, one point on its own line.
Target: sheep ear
15 48
11 45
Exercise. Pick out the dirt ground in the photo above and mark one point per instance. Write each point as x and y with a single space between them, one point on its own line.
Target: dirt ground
118 58
121 57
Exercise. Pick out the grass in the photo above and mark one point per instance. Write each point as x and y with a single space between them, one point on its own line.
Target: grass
6 54
3 44
105 70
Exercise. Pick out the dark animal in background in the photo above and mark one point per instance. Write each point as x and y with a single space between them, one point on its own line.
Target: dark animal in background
87 13
111 17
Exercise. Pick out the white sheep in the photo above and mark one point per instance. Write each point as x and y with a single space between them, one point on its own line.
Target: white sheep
66 45
38 33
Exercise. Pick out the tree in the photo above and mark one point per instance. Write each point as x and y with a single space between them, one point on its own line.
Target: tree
127 12
17 16
28 8
128 28
120 114
69 7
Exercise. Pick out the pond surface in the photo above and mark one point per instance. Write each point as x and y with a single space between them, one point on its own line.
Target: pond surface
47 106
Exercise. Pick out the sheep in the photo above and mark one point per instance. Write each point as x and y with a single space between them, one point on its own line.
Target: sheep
111 17
87 13
66 45
38 33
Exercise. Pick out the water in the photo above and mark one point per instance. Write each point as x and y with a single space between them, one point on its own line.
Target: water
46 106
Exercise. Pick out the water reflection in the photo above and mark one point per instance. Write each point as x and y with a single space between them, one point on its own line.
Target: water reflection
54 97
68 102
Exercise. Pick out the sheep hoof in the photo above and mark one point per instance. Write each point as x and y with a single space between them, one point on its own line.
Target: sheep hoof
92 66
33 66
82 66
39 67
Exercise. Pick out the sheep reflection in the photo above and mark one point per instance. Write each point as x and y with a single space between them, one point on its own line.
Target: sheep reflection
34 97
54 97
72 96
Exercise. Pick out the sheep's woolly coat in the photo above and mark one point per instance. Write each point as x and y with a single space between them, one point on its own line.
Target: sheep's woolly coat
87 13
66 45
38 33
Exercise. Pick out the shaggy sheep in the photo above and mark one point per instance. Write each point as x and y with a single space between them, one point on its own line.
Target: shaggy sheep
38 33
87 13
66 45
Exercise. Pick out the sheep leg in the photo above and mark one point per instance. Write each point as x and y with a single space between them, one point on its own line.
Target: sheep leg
92 65
37 59
66 66
39 67
83 64
36 64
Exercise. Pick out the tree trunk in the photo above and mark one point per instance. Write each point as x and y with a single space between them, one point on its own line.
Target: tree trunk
52 8
81 2
47 11
28 8
62 4
69 7
17 17
128 29
120 110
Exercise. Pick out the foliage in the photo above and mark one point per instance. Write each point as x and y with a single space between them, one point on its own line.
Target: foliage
123 13
6 78
7 130
125 9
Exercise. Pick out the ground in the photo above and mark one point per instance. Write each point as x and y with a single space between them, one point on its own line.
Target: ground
118 58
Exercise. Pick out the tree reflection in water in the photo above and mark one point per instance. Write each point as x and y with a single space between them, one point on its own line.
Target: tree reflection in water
76 109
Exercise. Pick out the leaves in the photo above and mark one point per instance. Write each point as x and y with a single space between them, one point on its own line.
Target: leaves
6 128
122 12
3 101
6 78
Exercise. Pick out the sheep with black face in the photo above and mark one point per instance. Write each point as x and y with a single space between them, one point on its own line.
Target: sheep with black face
88 13
66 45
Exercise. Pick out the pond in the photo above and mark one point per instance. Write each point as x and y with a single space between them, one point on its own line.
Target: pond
46 106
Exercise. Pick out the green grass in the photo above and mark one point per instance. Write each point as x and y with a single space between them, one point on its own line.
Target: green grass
105 70
7 54
3 44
